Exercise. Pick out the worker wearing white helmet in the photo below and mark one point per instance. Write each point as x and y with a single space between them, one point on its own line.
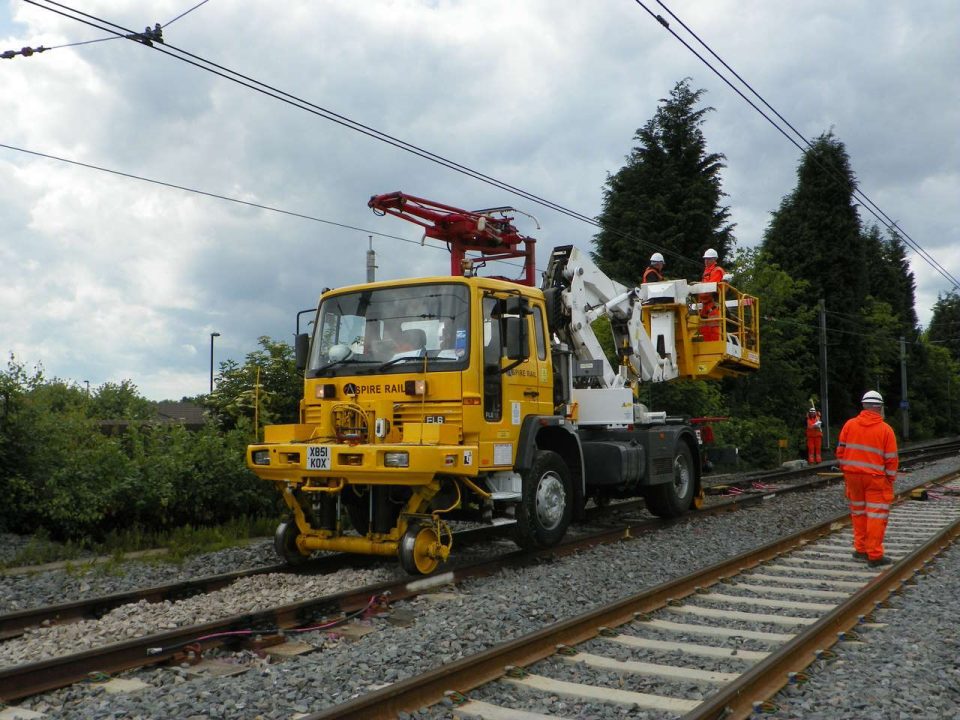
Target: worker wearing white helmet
654 272
709 307
867 451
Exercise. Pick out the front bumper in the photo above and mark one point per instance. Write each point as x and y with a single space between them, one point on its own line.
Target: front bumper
301 462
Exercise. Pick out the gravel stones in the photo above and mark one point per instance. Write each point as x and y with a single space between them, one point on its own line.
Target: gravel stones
482 612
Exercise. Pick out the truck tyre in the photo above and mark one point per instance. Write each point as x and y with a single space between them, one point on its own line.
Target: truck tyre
546 502
285 543
673 499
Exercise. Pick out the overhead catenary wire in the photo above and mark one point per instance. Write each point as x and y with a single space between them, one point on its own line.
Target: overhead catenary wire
262 206
269 90
300 103
217 196
870 206
41 49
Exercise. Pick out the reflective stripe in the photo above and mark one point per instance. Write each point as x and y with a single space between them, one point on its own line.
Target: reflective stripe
892 473
881 506
858 503
867 448
890 455
878 516
857 512
859 463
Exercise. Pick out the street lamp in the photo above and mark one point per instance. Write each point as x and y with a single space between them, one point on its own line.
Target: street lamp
212 336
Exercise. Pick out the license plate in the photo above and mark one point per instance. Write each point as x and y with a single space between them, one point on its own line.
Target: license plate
318 457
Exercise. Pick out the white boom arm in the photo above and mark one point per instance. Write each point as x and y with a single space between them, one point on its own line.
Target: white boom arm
592 294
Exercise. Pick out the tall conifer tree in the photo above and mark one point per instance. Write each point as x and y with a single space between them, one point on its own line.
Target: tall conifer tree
667 197
815 235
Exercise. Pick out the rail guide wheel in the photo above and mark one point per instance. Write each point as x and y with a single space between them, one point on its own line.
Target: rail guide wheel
285 543
420 549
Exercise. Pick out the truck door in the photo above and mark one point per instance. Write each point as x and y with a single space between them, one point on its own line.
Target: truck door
511 395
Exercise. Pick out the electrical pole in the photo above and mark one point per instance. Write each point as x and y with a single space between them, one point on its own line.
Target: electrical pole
212 336
824 398
371 262
904 403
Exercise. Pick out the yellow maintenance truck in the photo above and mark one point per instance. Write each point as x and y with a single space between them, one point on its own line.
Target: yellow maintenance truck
475 397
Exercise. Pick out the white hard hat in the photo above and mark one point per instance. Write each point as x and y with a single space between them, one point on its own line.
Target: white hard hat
711 253
872 397
656 257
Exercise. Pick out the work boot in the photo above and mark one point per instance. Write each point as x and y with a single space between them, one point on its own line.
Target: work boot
858 555
880 561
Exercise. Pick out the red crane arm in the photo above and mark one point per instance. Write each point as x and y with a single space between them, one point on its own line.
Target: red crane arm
494 238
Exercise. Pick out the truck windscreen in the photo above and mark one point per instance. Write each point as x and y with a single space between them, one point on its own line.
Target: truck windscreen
389 329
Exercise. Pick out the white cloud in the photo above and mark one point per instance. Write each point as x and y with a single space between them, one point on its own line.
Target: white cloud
107 278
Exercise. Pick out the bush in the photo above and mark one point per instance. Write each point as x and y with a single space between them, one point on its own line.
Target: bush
757 439
61 475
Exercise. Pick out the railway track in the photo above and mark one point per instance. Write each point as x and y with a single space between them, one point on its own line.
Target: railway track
266 627
38 677
714 644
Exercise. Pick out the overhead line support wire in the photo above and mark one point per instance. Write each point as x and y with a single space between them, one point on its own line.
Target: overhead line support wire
302 104
248 203
279 94
871 206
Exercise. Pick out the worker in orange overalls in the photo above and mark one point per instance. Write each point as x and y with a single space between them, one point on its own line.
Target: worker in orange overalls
814 436
867 451
709 309
654 271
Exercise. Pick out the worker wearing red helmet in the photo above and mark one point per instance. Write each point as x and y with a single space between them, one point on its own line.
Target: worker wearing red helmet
709 309
867 451
654 271
814 436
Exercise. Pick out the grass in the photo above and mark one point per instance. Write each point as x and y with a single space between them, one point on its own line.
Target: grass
180 543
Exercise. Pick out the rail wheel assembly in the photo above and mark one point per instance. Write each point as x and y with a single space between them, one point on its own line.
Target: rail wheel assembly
422 548
285 543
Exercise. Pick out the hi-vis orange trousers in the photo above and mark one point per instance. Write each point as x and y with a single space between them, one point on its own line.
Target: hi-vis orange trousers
869 497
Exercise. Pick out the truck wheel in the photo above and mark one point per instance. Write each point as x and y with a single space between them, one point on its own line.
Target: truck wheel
285 543
673 499
545 507
418 549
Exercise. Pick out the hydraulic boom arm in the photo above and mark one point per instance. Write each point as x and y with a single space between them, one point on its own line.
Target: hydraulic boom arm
464 231
656 335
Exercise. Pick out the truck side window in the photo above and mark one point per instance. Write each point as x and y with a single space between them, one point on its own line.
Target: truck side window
538 333
492 352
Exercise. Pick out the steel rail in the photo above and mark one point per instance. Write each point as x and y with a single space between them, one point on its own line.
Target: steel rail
735 701
470 672
22 681
25 680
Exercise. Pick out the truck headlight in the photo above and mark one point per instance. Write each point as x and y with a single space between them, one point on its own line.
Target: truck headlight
396 459
261 457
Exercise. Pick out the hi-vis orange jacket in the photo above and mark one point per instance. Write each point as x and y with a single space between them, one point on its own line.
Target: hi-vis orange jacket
813 425
868 446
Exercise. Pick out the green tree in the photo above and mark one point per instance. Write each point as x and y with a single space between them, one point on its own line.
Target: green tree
944 327
933 383
667 196
815 235
267 385
20 443
781 388
115 401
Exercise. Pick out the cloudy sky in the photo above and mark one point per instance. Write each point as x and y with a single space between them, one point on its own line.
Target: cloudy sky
106 278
